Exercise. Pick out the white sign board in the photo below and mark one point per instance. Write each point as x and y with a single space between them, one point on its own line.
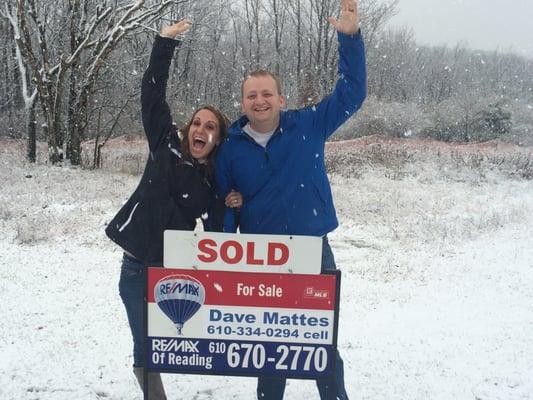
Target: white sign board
242 252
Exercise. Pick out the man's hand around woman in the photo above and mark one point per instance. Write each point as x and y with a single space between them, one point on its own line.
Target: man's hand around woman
233 199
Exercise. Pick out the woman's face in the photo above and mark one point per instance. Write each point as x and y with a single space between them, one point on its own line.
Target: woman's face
204 134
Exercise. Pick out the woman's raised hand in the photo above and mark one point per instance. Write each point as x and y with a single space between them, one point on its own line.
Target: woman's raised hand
171 31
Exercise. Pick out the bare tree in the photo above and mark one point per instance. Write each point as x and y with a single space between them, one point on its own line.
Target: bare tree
252 17
29 94
296 17
83 60
374 15
10 84
92 36
277 13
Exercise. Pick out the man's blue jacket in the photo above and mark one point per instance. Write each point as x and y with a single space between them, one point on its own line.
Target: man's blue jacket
285 186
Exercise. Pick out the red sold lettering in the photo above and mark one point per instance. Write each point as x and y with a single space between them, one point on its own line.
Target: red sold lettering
232 252
224 252
283 256
250 255
210 254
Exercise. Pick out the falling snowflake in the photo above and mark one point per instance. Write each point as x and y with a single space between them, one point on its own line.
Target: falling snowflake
185 195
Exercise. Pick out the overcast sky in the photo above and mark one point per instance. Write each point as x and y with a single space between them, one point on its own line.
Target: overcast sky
479 24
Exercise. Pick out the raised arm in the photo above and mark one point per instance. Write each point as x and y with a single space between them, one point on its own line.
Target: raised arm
348 22
156 117
350 89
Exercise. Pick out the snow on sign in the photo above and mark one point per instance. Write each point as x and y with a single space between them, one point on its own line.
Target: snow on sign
242 252
248 324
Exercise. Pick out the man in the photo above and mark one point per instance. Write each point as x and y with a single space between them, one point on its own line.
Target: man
276 160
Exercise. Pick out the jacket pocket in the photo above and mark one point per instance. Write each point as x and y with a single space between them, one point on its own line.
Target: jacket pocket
129 272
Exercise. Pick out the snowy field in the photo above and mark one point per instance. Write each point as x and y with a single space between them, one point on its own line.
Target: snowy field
437 289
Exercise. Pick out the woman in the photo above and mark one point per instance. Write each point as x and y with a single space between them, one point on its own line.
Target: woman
175 190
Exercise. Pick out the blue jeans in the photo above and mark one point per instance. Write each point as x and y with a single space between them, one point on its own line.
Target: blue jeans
328 388
131 289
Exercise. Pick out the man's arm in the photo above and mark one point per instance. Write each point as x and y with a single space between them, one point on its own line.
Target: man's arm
225 185
350 89
348 22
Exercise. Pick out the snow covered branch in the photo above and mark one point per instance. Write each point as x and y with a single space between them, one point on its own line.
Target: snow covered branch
29 99
130 21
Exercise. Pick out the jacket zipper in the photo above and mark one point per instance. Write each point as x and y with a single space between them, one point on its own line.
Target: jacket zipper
265 149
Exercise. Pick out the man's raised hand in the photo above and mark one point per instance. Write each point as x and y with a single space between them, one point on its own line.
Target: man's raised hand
171 31
348 21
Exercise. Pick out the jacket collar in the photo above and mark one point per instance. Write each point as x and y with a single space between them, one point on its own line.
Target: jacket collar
236 128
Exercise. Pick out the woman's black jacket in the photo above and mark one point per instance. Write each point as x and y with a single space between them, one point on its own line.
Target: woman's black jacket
174 190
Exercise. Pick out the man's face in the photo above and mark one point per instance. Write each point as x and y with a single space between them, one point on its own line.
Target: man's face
262 103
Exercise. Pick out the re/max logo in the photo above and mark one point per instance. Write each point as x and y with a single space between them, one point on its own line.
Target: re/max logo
187 288
185 346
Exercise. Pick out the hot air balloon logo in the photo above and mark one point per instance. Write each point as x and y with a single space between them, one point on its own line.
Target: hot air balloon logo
179 297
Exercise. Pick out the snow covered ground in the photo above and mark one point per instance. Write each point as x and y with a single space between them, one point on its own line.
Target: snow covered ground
437 289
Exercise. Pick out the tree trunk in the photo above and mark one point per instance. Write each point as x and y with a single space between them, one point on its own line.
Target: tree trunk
77 128
31 144
53 154
73 145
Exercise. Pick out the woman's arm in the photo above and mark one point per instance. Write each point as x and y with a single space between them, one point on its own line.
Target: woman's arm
156 116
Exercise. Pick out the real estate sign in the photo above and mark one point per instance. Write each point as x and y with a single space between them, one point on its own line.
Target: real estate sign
252 305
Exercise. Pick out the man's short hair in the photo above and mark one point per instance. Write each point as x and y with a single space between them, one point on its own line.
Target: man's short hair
261 73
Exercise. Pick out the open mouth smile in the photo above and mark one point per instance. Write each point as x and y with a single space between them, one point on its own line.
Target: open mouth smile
198 143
